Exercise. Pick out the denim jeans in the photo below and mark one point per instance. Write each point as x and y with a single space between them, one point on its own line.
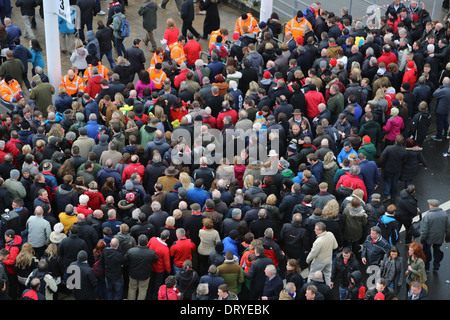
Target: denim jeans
114 289
437 255
343 293
441 124
120 48
390 184
109 56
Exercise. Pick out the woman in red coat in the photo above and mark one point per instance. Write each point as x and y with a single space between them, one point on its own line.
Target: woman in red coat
351 180
96 198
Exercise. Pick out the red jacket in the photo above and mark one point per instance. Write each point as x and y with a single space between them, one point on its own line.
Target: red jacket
192 51
162 251
411 77
179 78
313 98
96 199
93 85
14 250
11 147
181 250
350 181
210 120
84 210
132 168
223 114
387 57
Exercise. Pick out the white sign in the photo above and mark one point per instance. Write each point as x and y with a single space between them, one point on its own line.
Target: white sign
62 9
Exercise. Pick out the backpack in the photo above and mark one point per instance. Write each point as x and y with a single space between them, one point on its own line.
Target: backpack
124 29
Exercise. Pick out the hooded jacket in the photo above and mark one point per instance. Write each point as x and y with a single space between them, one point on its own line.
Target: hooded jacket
354 221
93 46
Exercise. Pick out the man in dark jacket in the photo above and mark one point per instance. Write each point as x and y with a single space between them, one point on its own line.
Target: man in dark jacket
88 280
256 274
293 238
88 10
112 261
140 260
407 209
69 247
187 15
88 233
136 57
344 265
392 160
105 37
442 96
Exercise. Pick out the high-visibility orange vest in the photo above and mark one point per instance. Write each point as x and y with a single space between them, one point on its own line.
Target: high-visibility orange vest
101 70
251 23
157 77
214 35
177 52
155 59
9 91
297 28
72 86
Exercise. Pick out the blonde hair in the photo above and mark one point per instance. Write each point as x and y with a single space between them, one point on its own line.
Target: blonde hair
331 209
248 181
25 256
78 44
26 149
159 113
170 221
271 199
119 99
185 180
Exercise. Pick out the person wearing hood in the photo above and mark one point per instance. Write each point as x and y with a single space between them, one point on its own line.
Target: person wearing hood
92 45
88 280
389 226
356 289
354 221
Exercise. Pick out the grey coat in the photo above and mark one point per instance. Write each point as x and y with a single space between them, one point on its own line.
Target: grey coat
435 226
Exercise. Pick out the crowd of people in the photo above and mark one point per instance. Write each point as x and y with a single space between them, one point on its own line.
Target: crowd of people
222 176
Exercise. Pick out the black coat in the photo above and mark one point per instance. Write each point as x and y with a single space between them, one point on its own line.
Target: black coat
406 206
88 233
112 261
88 282
137 58
256 274
141 228
88 9
292 239
212 17
341 271
105 38
69 247
187 11
140 260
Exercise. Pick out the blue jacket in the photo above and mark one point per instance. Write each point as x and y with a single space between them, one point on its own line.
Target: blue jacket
230 244
91 107
36 59
317 171
63 102
13 32
23 54
92 129
343 154
199 195
369 174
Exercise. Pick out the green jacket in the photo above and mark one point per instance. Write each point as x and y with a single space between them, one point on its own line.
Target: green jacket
233 275
336 105
148 13
372 129
369 150
42 95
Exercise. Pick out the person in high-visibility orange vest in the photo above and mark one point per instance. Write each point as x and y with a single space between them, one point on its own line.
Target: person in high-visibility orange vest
157 75
246 19
177 52
10 89
157 57
297 25
101 70
222 32
74 84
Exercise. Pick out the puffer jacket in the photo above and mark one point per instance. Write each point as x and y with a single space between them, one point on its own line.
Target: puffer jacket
354 221
96 199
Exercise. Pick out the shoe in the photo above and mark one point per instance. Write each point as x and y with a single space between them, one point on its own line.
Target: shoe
198 38
101 13
202 12
436 139
160 6
446 154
